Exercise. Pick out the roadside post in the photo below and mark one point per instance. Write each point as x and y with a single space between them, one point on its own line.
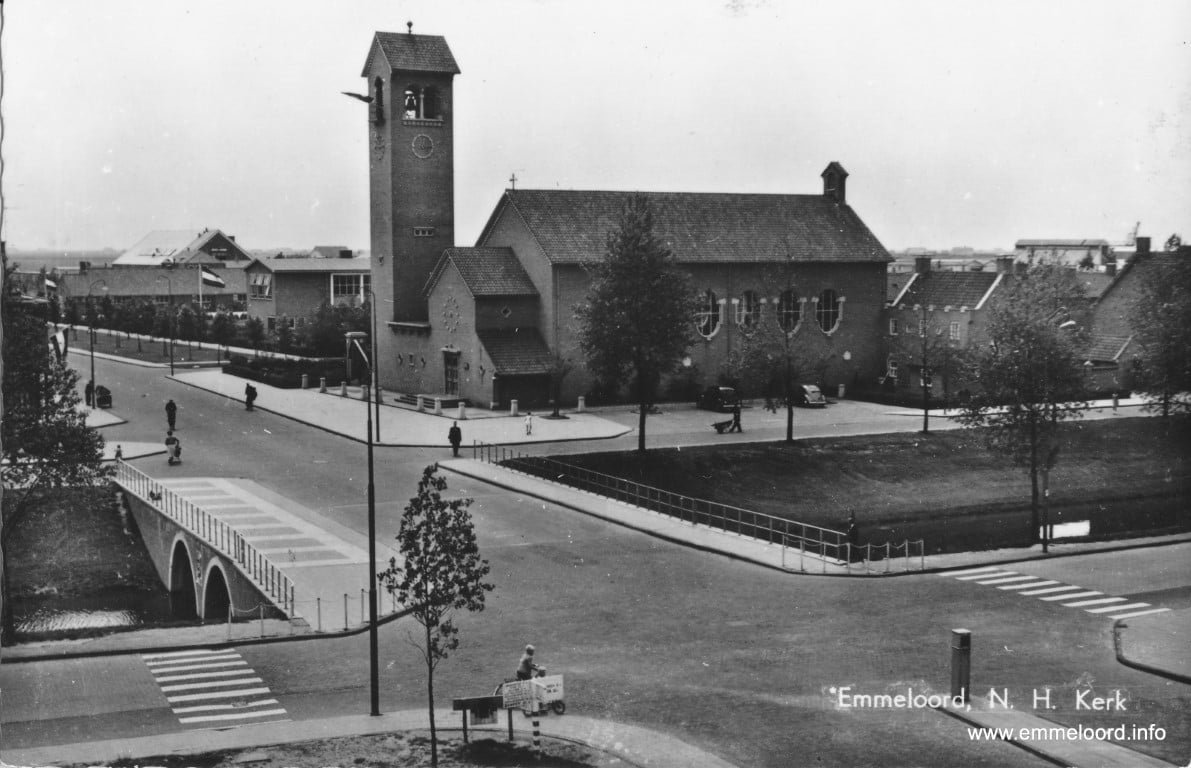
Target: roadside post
961 664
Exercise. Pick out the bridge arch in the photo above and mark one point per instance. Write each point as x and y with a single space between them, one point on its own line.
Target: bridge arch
183 593
217 598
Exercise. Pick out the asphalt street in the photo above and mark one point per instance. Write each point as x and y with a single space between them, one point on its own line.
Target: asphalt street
744 662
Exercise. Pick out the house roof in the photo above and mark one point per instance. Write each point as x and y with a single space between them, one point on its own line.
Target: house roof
947 289
326 266
485 272
572 226
517 351
1107 348
126 281
414 53
166 246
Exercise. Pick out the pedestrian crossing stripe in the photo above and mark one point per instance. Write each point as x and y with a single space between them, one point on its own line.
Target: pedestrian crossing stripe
213 688
1051 591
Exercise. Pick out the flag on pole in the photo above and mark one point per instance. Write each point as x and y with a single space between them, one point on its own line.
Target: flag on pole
210 278
50 285
58 343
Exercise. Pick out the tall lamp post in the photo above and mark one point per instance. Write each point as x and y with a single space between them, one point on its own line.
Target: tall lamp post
169 318
91 336
354 337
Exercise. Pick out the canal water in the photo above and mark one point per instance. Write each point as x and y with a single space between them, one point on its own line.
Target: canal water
112 609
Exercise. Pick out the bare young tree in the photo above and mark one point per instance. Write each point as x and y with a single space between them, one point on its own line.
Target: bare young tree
441 573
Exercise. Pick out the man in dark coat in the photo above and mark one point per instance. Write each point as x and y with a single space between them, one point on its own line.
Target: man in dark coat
455 437
171 414
249 396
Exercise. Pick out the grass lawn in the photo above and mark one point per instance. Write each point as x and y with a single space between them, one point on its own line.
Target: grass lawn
145 350
1125 475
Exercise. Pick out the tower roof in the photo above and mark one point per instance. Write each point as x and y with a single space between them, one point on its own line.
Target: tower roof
408 52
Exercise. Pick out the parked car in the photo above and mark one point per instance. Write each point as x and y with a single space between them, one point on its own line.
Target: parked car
808 396
718 399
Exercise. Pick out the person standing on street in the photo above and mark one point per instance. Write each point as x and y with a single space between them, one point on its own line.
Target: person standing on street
249 396
455 437
528 423
171 414
173 449
89 393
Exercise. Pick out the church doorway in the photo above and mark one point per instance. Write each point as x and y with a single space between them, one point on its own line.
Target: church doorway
450 366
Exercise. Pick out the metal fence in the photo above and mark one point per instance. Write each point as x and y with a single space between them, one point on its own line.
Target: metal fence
219 535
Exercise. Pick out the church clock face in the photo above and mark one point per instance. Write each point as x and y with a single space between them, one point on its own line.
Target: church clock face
422 146
378 144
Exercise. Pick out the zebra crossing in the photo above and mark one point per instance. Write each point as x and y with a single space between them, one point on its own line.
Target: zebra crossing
1052 591
212 687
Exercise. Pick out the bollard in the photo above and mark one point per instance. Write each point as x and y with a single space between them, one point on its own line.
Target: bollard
841 391
961 664
462 412
512 407
305 381
364 392
322 385
581 405
343 389
438 406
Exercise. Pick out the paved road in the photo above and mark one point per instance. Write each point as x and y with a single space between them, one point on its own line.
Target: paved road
735 659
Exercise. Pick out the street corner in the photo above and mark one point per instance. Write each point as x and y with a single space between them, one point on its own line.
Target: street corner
1156 643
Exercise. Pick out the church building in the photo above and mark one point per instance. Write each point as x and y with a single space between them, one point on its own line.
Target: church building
487 323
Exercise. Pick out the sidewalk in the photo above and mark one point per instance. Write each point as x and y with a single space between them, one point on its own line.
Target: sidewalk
634 745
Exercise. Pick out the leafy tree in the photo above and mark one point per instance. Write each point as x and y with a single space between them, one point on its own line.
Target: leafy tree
1029 377
323 334
187 323
929 347
1161 322
255 330
1173 243
637 319
45 441
285 335
223 329
441 573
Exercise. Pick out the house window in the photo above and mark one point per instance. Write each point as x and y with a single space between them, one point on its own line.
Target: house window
953 332
828 310
748 311
789 311
707 318
350 290
893 326
260 286
423 231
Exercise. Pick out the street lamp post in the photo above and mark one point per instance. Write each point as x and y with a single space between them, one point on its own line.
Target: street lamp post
91 336
373 653
169 318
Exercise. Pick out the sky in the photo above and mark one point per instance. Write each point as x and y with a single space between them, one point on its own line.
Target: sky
961 123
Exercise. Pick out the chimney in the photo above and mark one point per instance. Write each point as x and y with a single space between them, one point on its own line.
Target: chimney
834 182
922 264
1110 269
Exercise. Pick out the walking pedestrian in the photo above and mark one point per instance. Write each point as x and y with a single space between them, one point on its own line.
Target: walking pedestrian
171 414
455 437
735 419
249 396
173 449
89 392
528 423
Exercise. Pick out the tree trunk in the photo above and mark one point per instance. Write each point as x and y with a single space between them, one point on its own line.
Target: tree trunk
641 408
430 699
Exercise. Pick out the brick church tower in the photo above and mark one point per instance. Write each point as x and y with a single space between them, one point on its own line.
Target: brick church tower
412 171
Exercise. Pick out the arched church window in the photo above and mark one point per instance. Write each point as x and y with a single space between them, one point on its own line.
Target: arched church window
828 310
378 101
409 108
707 317
748 311
789 311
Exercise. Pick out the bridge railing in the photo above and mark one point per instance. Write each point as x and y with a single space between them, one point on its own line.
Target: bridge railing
219 535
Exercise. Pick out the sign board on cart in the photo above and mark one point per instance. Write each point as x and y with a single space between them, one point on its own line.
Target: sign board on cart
520 694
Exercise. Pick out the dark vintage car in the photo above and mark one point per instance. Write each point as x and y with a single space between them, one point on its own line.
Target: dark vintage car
808 396
718 399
